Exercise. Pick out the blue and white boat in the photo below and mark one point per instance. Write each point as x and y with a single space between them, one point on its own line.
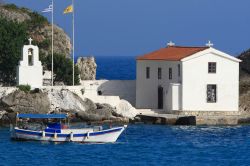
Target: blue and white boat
56 132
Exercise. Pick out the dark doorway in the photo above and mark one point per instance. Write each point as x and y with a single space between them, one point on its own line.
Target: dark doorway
160 97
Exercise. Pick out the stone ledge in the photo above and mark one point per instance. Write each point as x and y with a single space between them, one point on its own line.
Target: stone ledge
206 113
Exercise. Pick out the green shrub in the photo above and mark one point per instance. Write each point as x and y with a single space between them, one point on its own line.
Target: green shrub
25 88
11 7
63 69
12 37
37 20
36 90
44 44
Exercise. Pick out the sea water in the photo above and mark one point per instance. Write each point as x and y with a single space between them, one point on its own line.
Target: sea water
139 145
116 67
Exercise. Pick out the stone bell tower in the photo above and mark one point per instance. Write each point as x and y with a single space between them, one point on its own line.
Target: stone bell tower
30 70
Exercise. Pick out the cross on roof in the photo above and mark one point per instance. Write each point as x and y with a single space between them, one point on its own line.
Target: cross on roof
30 40
209 44
170 44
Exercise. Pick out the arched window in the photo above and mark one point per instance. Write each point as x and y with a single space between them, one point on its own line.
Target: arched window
30 57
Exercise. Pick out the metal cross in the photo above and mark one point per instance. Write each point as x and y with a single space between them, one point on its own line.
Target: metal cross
170 44
30 40
209 44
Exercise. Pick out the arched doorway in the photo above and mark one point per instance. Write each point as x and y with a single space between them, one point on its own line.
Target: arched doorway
160 97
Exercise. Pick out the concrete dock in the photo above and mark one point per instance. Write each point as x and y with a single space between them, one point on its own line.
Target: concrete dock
149 116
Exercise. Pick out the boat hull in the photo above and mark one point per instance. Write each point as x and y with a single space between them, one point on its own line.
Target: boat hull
103 136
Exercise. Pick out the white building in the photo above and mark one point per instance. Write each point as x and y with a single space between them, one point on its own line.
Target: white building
30 70
179 78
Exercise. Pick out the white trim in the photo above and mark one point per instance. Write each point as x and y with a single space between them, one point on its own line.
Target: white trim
211 50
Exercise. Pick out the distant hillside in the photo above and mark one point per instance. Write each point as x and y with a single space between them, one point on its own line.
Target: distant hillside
245 71
245 82
38 28
16 26
245 64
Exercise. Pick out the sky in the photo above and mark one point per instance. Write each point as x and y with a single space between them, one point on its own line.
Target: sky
137 27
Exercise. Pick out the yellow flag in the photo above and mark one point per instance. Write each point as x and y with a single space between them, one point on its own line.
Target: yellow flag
69 9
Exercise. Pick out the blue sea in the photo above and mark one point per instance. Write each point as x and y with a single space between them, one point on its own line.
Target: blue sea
139 145
116 67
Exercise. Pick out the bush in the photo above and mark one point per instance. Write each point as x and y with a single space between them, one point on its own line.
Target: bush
37 20
12 37
36 90
25 88
11 7
62 69
45 44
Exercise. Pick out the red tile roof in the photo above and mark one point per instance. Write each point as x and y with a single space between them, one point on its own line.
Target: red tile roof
172 53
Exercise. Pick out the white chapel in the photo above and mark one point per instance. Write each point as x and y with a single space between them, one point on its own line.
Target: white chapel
30 70
180 78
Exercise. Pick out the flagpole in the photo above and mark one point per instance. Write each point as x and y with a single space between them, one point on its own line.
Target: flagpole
52 54
73 15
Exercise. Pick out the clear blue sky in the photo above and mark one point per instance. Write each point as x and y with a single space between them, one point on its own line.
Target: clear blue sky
136 27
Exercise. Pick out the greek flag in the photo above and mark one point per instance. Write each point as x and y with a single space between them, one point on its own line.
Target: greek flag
49 9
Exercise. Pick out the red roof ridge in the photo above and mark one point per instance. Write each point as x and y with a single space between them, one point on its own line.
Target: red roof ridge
172 53
189 46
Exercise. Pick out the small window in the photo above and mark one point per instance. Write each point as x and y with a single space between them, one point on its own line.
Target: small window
159 73
170 73
211 67
211 93
179 70
147 72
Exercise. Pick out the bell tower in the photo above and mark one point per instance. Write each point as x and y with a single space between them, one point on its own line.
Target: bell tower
29 70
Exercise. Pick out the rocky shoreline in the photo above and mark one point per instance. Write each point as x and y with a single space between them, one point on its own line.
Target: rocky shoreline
61 101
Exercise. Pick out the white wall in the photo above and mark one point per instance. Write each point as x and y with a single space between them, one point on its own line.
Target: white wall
147 89
112 91
176 98
31 75
125 89
173 98
195 80
90 93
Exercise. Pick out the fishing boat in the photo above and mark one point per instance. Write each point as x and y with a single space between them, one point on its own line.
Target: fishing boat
58 132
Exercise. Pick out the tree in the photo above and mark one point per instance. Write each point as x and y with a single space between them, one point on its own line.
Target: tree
62 69
12 37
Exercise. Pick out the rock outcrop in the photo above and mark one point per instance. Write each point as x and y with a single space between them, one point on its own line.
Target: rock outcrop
245 64
23 102
87 68
62 43
64 101
125 109
244 106
245 83
14 15
101 113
